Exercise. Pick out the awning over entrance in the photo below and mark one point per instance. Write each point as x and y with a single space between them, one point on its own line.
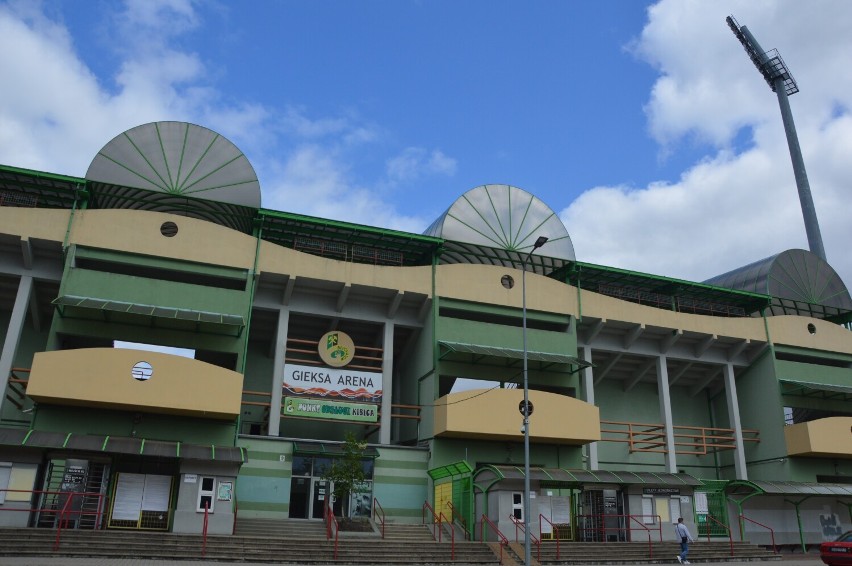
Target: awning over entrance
328 449
756 487
476 353
492 474
121 445
820 390
459 468
161 317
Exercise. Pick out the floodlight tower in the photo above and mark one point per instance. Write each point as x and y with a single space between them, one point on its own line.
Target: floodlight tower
781 81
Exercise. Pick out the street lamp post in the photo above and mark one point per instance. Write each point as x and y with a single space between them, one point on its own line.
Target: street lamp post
526 412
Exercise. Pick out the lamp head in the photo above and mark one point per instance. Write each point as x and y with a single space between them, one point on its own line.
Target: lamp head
540 242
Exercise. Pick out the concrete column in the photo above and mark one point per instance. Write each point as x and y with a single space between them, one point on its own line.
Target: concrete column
13 335
278 372
734 416
589 390
387 385
666 413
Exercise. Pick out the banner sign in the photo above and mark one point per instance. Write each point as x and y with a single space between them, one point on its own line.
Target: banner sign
302 407
660 491
345 384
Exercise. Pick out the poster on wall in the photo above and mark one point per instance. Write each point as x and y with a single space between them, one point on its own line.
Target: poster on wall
340 384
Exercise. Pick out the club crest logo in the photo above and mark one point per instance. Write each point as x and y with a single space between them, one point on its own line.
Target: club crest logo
336 348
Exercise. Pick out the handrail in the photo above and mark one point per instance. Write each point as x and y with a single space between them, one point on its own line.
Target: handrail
695 440
435 520
724 526
771 531
204 529
650 546
441 518
501 538
518 524
552 529
455 516
331 524
62 518
626 529
377 508
62 514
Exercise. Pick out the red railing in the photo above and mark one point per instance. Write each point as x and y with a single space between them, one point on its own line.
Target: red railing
458 518
604 529
435 520
520 525
204 529
379 515
441 519
331 525
724 526
501 538
63 518
650 546
57 496
771 532
553 528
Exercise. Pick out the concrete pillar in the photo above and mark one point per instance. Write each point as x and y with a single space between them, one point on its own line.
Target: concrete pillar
666 413
278 372
589 390
387 385
13 334
734 415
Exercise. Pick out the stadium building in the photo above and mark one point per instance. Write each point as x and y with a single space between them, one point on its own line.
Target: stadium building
725 402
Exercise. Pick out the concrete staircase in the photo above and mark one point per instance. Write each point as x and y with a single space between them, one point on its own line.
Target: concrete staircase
299 542
638 553
304 542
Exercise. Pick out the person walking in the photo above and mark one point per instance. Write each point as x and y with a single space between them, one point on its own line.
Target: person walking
685 538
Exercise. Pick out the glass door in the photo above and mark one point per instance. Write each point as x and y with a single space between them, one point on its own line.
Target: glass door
321 492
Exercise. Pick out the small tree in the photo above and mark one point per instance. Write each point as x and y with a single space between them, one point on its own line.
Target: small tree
347 472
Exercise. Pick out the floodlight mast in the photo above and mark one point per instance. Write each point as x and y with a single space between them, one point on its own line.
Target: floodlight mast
781 81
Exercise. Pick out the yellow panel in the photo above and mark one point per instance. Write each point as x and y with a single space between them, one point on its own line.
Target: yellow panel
494 415
443 494
822 437
23 478
103 377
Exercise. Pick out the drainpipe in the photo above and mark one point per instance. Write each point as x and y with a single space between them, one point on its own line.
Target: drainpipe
253 283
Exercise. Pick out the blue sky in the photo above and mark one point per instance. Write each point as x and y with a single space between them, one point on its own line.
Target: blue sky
643 124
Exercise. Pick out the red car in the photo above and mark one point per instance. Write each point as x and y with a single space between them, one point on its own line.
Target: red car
838 552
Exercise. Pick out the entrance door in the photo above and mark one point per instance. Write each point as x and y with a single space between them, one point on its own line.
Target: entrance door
320 493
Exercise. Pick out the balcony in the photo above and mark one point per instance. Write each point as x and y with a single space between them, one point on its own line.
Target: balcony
830 437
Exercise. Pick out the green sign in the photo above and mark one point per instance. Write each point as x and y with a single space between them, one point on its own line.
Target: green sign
320 408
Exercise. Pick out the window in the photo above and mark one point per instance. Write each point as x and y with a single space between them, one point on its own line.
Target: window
518 505
206 491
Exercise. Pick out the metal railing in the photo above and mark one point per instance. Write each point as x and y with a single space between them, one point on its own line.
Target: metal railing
520 525
458 519
331 525
379 514
650 546
771 531
204 529
501 538
690 440
601 526
724 526
435 520
553 528
68 511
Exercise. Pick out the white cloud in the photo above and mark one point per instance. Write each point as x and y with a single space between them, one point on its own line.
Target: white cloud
732 208
59 114
416 162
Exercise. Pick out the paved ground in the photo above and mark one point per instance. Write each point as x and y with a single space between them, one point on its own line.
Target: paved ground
788 560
